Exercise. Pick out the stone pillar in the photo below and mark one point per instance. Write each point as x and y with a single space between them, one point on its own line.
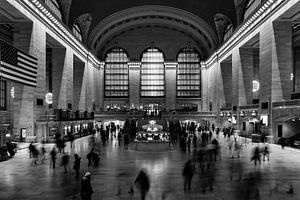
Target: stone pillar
276 61
101 86
170 78
134 84
265 66
58 60
204 87
226 74
31 41
247 72
78 72
282 61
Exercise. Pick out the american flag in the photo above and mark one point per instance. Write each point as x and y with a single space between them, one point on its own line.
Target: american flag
17 66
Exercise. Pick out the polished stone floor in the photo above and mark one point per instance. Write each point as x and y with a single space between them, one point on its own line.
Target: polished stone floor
112 179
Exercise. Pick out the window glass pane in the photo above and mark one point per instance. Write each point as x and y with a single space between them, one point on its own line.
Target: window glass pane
116 73
188 73
3 93
152 74
77 31
54 6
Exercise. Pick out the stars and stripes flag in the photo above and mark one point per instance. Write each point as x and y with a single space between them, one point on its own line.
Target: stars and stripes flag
17 66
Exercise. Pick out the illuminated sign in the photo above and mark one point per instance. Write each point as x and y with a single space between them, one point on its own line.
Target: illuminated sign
255 86
12 92
49 98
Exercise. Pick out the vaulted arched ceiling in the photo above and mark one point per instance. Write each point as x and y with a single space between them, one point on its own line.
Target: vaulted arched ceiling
114 20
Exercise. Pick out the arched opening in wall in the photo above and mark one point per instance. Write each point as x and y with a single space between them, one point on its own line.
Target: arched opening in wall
54 7
116 73
77 31
152 73
188 74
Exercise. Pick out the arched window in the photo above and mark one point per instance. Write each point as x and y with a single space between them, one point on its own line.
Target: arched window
228 32
116 73
152 74
54 6
188 73
77 31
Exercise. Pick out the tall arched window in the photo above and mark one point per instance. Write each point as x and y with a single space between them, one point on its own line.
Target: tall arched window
188 73
54 6
77 31
152 74
116 73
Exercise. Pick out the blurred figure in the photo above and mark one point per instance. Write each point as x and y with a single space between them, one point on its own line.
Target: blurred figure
248 189
195 141
235 149
189 143
126 141
95 159
71 138
142 183
216 149
266 152
35 155
188 173
282 142
256 155
43 152
76 166
53 154
65 161
86 187
61 146
31 149
89 157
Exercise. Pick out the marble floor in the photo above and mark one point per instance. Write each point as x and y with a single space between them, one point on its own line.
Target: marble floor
112 179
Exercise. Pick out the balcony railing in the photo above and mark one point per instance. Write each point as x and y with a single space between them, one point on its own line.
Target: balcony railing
248 107
290 103
67 115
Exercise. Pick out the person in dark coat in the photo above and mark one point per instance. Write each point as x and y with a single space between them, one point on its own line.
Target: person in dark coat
142 183
189 143
86 187
90 156
195 140
53 154
65 161
76 166
188 173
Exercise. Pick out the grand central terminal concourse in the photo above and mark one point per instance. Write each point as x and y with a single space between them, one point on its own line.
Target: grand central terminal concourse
149 100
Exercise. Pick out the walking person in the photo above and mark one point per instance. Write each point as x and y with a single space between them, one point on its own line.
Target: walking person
31 149
86 187
195 141
256 155
188 173
266 152
53 154
90 156
189 143
65 162
142 183
76 166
